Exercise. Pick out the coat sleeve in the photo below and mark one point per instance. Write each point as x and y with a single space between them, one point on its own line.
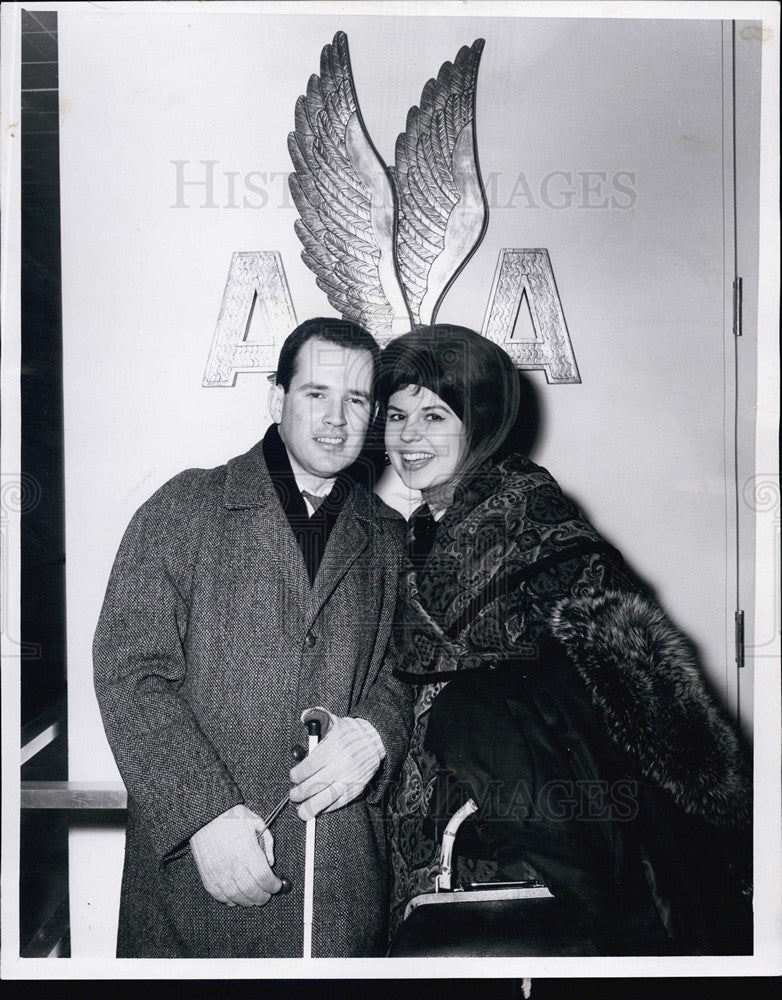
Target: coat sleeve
173 775
389 708
388 705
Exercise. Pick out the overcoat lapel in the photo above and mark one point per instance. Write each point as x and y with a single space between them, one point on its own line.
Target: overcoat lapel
248 486
348 539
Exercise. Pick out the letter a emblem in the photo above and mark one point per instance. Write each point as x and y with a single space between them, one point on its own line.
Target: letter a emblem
256 281
526 276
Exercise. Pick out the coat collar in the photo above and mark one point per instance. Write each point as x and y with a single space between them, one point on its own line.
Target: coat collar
247 481
483 483
248 484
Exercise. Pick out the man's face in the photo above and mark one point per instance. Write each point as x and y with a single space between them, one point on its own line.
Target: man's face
323 417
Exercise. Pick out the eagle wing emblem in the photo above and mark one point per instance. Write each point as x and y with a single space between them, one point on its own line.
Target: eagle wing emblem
385 245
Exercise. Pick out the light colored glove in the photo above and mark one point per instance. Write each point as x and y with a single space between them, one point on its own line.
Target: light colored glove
339 768
233 865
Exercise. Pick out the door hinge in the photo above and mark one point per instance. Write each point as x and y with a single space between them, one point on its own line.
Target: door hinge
739 619
738 301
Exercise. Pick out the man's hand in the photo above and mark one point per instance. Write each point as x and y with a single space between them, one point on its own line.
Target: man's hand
233 866
339 768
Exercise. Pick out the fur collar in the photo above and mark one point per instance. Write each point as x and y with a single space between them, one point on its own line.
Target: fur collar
645 680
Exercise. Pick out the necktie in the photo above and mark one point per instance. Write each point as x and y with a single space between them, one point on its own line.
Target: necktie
316 501
423 529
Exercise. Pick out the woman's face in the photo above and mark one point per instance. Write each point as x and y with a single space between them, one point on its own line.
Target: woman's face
425 440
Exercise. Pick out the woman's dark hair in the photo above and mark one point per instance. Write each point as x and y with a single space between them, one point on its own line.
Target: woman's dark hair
473 375
340 332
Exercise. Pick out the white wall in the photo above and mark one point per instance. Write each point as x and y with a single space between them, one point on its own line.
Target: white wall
640 443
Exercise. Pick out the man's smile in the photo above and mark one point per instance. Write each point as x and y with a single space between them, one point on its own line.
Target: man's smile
330 442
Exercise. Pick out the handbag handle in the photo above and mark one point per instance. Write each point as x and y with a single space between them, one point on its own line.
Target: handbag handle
443 880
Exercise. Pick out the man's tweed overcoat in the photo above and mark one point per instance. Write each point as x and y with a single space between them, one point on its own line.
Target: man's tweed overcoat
209 645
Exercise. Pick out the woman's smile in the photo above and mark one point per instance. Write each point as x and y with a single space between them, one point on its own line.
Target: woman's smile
415 459
425 439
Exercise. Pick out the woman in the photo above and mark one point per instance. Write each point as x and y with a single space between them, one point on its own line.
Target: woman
548 687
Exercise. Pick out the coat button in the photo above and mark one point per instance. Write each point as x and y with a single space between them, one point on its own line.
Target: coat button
309 640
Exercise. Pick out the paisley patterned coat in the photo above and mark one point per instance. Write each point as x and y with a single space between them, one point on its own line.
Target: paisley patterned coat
513 565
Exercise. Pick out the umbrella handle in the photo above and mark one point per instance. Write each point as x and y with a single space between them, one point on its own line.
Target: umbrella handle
313 733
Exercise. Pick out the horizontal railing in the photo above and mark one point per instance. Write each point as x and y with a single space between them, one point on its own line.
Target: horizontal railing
73 795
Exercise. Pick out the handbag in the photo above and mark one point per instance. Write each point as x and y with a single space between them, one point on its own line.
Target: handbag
487 920
520 738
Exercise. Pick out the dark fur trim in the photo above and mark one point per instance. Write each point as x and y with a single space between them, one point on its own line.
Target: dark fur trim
646 683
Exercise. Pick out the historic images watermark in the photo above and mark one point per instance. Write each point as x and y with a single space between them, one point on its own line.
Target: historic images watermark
556 800
208 184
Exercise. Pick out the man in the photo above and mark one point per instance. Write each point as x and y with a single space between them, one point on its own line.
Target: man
241 597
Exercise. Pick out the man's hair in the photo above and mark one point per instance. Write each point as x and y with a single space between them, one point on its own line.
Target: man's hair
472 374
340 332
